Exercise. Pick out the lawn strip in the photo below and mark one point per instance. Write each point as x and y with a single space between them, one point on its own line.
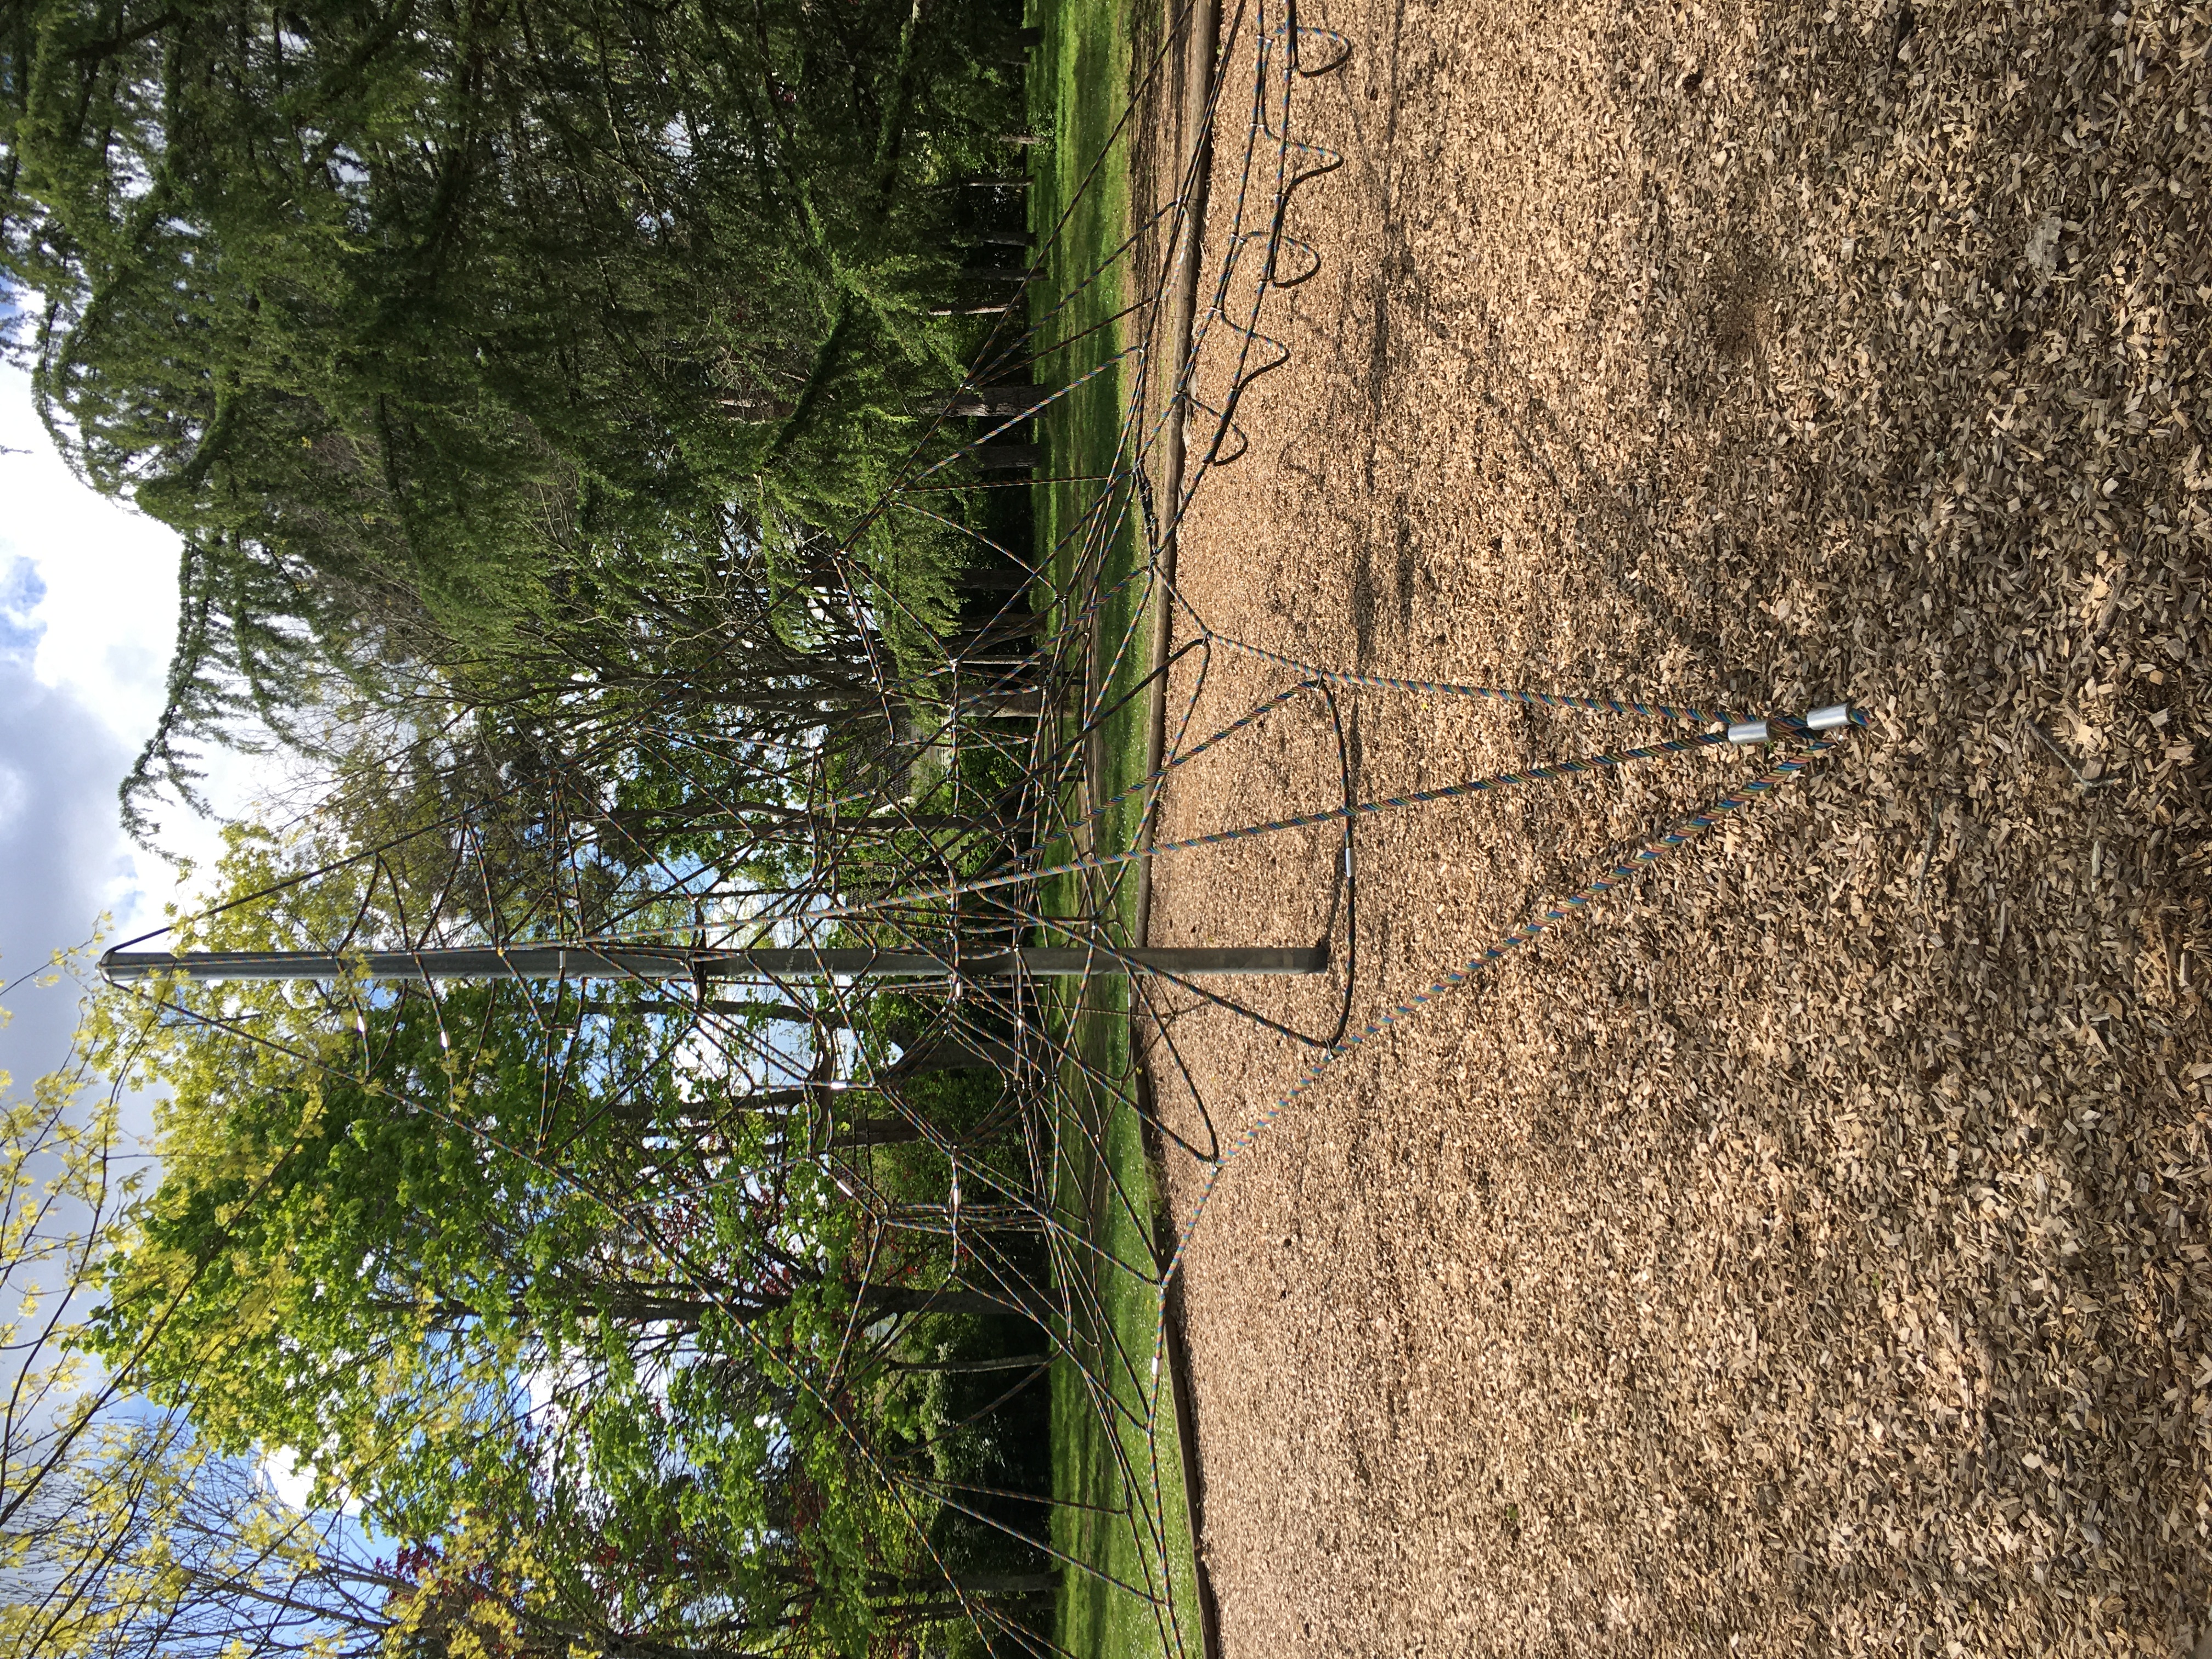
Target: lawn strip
1136 1528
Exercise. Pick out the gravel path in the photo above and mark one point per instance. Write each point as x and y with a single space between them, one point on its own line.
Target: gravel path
1809 1251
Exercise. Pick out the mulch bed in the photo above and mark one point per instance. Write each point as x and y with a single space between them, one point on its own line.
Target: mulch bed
1806 1251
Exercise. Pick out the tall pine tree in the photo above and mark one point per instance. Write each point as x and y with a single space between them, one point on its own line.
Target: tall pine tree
416 316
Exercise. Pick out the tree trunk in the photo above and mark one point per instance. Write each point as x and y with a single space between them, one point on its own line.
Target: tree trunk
994 579
962 1367
784 1010
1006 1584
953 1054
877 1132
1006 457
643 820
895 1299
829 1018
997 400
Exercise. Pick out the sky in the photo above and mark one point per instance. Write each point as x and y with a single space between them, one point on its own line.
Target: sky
87 618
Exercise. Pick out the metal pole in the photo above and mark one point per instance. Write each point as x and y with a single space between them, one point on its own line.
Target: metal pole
626 962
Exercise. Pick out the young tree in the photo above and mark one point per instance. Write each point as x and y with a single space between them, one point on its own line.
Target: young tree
512 1252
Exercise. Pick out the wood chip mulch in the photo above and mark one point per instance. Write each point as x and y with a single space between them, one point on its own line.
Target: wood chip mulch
1809 1251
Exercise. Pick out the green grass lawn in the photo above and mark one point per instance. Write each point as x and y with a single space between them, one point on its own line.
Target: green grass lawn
1114 1444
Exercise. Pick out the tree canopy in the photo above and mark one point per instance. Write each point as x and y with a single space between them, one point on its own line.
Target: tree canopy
441 331
519 376
578 1265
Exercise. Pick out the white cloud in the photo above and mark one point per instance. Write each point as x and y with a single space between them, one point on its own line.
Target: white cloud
110 607
291 1478
14 795
88 621
292 1482
101 628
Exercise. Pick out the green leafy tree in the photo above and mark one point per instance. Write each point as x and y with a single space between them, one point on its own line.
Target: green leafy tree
442 331
497 1252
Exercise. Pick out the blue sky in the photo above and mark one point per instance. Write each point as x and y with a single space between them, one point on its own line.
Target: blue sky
88 620
87 616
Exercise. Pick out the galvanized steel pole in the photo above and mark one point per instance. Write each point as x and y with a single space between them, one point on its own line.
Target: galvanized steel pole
625 962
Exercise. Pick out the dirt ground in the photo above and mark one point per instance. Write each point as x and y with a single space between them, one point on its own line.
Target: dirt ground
1807 1252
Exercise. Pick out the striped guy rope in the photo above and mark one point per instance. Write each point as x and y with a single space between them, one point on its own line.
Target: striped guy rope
1788 724
1574 905
1545 774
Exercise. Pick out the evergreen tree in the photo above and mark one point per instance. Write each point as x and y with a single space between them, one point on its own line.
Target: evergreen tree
418 318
